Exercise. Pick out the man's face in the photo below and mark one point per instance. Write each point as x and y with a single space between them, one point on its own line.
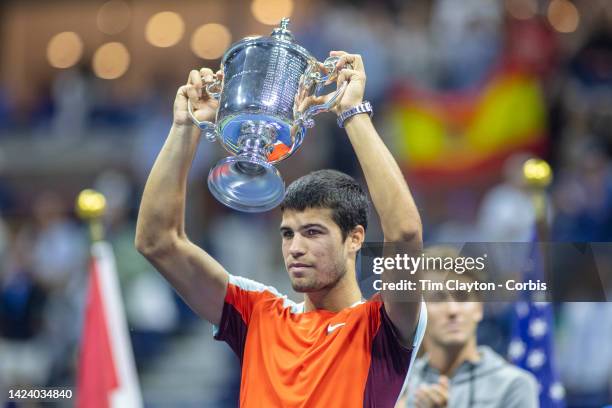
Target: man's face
451 322
315 254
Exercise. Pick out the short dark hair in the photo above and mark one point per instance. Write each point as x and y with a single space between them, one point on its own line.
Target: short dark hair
330 189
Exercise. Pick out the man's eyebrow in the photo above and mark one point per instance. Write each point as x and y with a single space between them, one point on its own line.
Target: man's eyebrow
314 225
305 226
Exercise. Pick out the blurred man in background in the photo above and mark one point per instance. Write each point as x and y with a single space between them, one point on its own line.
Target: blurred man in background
455 372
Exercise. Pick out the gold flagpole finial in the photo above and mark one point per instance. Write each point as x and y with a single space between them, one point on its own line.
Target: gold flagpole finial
90 207
538 175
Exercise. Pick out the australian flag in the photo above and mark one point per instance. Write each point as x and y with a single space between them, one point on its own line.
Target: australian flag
531 346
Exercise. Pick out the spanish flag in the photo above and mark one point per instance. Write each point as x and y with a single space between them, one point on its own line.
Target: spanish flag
106 372
460 136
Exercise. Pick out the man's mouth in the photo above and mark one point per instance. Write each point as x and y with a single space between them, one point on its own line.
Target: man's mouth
299 265
453 326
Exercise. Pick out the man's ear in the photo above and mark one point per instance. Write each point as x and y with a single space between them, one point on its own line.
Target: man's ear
356 238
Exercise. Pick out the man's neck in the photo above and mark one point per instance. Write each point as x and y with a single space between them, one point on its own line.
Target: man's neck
343 294
448 359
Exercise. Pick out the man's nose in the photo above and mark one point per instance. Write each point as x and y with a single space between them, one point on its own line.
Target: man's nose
297 247
452 307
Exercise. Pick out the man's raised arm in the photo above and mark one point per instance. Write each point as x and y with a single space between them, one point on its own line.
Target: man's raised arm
160 231
390 194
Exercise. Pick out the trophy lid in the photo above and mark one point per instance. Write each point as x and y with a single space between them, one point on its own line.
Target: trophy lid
282 32
280 36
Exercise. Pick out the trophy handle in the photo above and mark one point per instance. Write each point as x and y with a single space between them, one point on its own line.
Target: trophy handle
208 128
320 79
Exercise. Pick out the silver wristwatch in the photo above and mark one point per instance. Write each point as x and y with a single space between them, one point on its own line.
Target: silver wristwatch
363 107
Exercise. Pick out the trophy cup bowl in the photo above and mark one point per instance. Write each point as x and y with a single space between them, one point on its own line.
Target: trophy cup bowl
264 111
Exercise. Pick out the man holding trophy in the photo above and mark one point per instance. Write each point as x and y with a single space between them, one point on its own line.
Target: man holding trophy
334 349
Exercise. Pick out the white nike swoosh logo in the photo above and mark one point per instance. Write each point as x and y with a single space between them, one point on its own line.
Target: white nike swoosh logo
333 327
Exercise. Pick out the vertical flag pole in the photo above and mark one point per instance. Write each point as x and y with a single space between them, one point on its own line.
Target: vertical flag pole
106 375
532 344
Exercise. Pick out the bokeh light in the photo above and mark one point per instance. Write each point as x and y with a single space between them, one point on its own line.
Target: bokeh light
64 49
90 204
522 9
210 41
114 17
537 173
271 12
563 16
111 60
165 29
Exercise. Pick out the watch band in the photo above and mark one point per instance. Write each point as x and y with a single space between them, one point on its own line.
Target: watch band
363 107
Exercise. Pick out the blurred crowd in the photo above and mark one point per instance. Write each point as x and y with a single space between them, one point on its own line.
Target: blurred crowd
434 46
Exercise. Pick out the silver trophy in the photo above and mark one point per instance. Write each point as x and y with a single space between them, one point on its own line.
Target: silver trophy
263 115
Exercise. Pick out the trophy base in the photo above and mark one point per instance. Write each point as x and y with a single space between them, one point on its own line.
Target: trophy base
246 183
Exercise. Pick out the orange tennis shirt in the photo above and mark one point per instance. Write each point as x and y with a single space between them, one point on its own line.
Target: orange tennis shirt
291 358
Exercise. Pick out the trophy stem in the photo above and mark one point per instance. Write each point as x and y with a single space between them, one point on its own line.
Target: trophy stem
256 141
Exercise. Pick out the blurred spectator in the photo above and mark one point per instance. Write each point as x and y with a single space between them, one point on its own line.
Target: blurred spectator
26 360
456 372
531 46
54 250
506 213
457 224
583 197
72 97
468 40
57 245
592 65
357 32
585 356
411 47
